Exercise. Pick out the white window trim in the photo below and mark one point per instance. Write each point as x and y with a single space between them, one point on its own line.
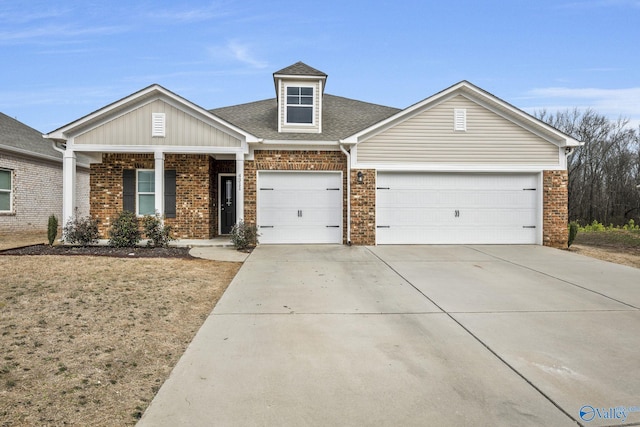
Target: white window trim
312 106
10 191
138 193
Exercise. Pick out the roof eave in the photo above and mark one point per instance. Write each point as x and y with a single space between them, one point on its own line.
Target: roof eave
63 133
465 86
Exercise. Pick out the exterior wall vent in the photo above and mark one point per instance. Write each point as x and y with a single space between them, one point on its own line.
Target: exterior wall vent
460 119
158 125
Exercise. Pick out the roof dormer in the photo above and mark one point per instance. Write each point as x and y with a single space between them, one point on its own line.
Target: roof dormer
299 90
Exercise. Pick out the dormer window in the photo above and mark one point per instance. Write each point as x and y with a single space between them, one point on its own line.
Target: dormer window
299 90
299 105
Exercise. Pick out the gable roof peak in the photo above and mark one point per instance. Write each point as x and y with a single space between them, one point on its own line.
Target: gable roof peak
300 69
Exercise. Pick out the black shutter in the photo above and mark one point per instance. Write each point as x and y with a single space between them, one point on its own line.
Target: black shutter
129 190
169 194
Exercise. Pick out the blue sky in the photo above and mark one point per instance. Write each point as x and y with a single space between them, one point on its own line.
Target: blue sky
64 59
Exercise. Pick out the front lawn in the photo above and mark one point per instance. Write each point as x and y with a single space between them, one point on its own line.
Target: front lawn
90 340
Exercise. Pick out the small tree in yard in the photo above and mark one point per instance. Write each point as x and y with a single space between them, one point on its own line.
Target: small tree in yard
573 232
52 229
81 230
124 232
244 236
155 231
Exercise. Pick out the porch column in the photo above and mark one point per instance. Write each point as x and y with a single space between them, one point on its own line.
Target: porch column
158 158
239 187
68 185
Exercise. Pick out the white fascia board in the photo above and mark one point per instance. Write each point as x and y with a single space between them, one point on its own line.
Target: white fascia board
289 142
211 119
458 168
402 115
155 148
64 133
298 77
478 95
141 98
520 118
297 147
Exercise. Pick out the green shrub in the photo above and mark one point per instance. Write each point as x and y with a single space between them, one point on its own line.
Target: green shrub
631 225
124 232
156 232
81 230
573 232
244 236
594 226
52 229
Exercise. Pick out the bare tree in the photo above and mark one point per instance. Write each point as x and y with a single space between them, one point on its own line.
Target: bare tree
605 171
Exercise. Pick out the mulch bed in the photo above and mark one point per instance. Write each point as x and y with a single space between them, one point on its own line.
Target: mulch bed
108 251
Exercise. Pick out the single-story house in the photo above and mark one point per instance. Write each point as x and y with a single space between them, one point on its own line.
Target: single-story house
31 178
459 167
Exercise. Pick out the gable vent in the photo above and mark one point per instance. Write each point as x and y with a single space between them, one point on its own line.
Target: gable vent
158 124
460 119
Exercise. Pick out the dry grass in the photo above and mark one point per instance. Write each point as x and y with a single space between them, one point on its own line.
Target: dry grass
619 246
13 240
89 340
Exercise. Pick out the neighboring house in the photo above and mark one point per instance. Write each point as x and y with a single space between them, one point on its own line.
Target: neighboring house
461 166
31 179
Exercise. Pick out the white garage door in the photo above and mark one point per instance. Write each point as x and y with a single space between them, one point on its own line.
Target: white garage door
300 207
441 208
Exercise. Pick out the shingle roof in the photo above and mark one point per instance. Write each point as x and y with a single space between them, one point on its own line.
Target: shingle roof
17 137
341 117
300 69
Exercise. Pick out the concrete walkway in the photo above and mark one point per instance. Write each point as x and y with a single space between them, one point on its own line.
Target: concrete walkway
218 249
413 336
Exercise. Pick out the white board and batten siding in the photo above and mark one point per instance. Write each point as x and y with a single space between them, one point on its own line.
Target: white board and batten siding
135 128
430 137
457 208
300 207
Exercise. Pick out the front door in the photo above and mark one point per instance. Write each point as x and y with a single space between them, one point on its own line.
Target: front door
227 203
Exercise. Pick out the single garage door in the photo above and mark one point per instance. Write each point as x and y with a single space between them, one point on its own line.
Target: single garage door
300 207
447 208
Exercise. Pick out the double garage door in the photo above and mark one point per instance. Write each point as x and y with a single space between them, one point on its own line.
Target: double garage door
411 208
448 208
300 207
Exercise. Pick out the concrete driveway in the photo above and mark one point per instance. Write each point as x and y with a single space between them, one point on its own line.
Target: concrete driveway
413 336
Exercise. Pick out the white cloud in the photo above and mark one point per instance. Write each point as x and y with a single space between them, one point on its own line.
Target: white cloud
181 16
242 53
47 34
237 51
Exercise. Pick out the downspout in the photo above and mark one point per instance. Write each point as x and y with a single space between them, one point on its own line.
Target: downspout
54 144
346 153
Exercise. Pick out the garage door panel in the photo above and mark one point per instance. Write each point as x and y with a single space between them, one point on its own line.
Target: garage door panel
300 207
440 208
438 235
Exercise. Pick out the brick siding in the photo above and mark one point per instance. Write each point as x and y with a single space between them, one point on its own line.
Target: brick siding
37 193
194 212
555 214
363 207
274 160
